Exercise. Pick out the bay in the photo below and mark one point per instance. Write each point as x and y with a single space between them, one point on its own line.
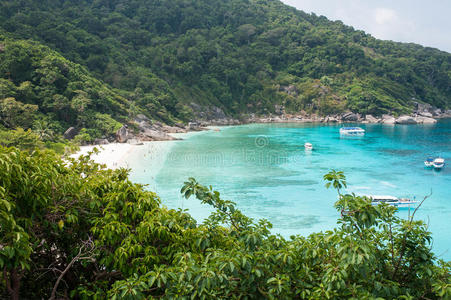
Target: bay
265 169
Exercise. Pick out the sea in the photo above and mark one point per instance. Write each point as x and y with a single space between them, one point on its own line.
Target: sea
266 171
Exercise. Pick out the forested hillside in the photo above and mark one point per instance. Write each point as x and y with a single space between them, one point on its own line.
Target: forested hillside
159 57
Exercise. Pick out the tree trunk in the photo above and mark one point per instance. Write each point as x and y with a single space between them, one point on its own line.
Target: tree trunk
12 283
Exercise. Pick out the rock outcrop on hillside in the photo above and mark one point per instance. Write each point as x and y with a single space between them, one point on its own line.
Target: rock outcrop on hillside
371 119
154 131
122 134
70 133
405 120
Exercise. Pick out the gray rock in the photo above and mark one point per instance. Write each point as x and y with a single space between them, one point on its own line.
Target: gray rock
143 125
70 133
425 120
352 117
388 119
371 119
171 129
217 112
122 134
437 112
153 135
360 117
101 142
141 118
421 108
334 120
405 120
193 125
425 114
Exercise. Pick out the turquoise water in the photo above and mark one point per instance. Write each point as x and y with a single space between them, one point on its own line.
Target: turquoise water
266 171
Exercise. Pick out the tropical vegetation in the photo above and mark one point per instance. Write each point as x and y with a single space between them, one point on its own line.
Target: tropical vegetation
72 229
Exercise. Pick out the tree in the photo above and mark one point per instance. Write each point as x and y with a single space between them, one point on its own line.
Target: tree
15 114
43 130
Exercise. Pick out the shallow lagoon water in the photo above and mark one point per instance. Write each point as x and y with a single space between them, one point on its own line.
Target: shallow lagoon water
266 171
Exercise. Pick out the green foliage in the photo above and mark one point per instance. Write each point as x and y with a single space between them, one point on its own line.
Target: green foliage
335 179
38 138
15 114
73 229
19 138
65 92
83 137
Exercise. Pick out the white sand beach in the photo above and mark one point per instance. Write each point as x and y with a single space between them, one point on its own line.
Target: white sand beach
112 155
124 155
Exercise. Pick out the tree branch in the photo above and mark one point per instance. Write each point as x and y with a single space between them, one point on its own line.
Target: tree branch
419 205
80 256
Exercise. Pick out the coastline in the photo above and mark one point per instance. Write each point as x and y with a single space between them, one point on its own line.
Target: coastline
112 155
123 155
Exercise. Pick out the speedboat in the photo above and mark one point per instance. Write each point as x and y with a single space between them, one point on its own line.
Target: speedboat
391 200
438 163
308 146
429 162
352 131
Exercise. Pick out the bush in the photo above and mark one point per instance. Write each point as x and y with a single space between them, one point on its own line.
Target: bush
23 139
79 230
83 137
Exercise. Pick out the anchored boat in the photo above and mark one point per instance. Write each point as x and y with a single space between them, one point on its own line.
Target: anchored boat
391 200
352 131
308 146
438 163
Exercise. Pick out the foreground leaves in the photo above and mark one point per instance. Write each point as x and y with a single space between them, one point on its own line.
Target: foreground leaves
71 229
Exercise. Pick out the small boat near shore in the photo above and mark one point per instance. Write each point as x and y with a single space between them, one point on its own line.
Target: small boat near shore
438 163
352 131
308 146
391 200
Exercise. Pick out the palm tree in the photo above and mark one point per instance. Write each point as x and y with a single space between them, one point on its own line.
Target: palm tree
41 128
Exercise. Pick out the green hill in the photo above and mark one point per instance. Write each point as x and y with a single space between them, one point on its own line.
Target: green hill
159 57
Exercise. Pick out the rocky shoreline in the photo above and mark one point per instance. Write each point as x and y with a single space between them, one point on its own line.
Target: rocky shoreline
422 114
143 129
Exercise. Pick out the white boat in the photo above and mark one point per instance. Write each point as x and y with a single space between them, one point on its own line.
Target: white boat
308 146
438 163
429 162
391 200
352 131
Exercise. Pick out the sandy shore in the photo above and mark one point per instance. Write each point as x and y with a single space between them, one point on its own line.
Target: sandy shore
113 155
124 155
